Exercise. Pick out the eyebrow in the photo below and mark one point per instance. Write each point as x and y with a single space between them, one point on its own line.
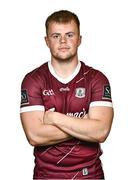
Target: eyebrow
60 33
70 32
54 34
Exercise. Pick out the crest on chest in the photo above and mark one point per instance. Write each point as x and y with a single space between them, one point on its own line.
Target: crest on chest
80 92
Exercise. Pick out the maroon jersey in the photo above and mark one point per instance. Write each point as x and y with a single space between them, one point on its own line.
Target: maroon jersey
43 89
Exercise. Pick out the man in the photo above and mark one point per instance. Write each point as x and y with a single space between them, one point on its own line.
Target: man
66 107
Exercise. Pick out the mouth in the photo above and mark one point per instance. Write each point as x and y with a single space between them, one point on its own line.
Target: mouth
63 48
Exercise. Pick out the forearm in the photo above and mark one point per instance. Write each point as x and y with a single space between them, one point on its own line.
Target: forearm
85 129
48 135
40 134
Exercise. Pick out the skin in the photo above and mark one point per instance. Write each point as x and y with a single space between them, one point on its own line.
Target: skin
63 41
48 128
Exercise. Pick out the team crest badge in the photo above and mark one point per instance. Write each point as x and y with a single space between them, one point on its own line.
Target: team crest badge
80 92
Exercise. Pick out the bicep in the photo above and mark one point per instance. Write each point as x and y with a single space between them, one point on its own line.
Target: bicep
103 114
31 121
38 133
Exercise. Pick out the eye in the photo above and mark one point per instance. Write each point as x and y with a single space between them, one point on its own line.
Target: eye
69 35
55 36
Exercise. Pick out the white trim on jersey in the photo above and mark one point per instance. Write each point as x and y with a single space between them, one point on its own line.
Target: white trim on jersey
68 79
32 108
101 103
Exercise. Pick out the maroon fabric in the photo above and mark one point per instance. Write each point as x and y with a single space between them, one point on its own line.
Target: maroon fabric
73 159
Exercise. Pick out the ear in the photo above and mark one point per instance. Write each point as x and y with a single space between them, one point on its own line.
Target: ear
80 40
46 40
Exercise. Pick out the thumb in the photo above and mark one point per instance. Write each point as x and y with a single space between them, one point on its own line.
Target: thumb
51 109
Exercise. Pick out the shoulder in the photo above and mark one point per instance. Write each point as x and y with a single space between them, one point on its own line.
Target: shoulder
98 84
92 73
37 73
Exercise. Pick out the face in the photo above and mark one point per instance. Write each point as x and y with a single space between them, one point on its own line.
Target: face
63 40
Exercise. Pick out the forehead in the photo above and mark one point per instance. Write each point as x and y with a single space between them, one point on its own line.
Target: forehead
62 27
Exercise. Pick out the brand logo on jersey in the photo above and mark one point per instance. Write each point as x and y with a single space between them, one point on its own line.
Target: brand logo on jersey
24 97
64 89
85 171
80 92
107 92
80 114
48 92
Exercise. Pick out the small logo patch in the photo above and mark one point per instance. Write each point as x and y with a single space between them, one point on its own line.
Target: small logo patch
107 92
64 89
24 97
85 172
80 92
48 92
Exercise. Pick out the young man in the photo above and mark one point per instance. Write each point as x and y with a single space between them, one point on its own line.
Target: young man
66 107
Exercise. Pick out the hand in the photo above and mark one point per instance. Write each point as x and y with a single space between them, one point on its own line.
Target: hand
86 116
48 117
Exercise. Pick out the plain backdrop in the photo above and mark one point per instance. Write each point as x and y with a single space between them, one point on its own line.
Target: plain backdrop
107 28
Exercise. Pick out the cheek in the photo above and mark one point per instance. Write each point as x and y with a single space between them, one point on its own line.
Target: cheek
74 43
74 46
52 46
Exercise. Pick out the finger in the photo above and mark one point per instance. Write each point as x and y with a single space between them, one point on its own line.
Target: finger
52 109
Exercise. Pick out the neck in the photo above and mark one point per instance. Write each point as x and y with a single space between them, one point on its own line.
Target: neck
64 68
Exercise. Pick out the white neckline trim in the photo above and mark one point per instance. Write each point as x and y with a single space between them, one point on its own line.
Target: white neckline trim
68 79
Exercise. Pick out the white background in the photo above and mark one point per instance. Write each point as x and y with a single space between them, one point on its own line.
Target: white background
107 28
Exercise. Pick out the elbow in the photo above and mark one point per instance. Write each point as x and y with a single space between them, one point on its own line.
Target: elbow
35 140
103 136
102 139
99 137
32 140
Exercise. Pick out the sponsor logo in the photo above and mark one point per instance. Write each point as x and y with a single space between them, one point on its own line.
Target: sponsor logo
85 172
64 89
80 114
80 92
24 97
48 92
107 92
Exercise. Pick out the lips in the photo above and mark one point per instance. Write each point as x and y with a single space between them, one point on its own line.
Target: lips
63 48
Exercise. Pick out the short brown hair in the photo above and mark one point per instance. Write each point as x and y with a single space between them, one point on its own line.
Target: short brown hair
62 16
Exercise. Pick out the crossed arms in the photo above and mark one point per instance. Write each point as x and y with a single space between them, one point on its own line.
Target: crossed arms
48 128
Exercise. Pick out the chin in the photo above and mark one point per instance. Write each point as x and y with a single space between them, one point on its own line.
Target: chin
65 58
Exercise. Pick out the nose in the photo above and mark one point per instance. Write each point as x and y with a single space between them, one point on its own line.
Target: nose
63 39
